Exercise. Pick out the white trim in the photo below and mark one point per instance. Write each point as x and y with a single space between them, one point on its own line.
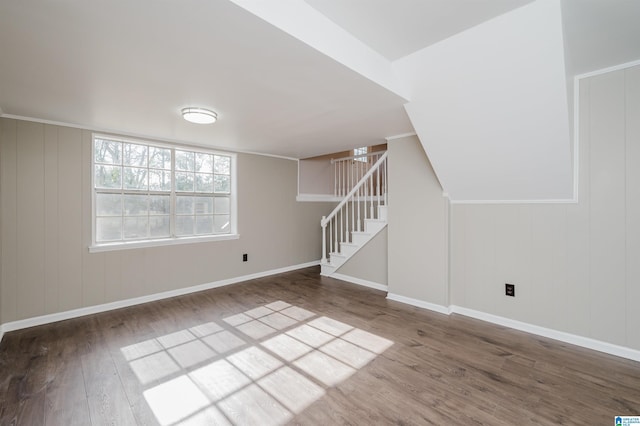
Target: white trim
560 201
562 336
360 281
89 310
400 136
576 139
99 248
573 339
608 69
419 303
318 198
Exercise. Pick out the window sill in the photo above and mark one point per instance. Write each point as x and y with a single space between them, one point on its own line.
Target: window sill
98 248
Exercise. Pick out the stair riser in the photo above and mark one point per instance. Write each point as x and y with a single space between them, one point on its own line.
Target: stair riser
373 226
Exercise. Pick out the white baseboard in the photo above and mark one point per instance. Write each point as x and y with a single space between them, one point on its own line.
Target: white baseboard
585 342
89 310
419 303
562 336
360 281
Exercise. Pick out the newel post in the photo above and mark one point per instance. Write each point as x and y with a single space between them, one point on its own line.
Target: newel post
323 223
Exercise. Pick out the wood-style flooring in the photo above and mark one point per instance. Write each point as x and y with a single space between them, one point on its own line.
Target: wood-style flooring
302 349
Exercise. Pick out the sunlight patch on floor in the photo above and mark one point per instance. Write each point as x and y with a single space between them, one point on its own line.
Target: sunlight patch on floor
262 366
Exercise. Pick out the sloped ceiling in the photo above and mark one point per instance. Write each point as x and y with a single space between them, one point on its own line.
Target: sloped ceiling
294 78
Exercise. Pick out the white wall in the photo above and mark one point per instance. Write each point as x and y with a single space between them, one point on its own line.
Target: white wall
490 107
417 227
45 211
576 266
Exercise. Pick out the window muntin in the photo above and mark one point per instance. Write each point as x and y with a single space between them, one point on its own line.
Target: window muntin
360 154
146 192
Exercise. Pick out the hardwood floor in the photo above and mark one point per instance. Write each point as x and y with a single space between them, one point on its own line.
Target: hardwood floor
301 349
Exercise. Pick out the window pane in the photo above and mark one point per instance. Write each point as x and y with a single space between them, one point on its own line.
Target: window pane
159 204
222 165
159 158
136 205
108 152
135 178
184 205
108 205
184 181
108 229
203 205
222 184
159 180
222 205
204 225
184 225
134 155
185 160
204 183
204 163
135 227
221 224
159 226
108 177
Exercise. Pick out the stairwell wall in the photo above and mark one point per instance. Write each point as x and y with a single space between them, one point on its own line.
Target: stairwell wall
417 227
370 262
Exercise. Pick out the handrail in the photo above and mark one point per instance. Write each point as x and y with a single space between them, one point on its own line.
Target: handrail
349 216
353 157
353 191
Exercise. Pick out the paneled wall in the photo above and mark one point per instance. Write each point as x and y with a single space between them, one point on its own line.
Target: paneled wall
417 227
45 217
576 266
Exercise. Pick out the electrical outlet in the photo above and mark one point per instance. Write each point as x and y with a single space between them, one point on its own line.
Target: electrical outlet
510 290
245 257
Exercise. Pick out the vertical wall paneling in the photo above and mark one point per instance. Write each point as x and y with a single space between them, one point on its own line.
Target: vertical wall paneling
45 208
457 275
578 241
30 220
9 218
607 211
417 226
513 249
51 218
632 121
549 249
112 276
92 263
1 228
70 245
575 265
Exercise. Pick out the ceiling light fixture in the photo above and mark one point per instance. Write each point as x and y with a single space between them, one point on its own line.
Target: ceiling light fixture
199 115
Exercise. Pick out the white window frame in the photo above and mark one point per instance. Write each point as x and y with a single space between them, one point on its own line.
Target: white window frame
97 247
360 154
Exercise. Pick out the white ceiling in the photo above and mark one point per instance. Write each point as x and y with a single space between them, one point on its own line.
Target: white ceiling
129 67
397 28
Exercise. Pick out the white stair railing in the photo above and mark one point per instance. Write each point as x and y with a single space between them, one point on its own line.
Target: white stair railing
348 171
358 205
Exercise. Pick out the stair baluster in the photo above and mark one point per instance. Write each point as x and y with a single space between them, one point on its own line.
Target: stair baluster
361 211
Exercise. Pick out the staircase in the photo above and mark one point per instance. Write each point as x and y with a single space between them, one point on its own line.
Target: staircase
358 218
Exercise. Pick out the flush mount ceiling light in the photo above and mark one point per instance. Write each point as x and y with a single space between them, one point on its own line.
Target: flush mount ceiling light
199 115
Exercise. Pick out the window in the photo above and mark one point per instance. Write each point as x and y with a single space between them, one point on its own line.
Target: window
360 154
152 193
